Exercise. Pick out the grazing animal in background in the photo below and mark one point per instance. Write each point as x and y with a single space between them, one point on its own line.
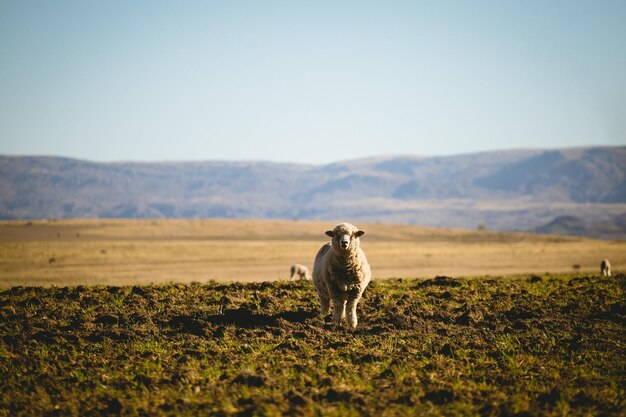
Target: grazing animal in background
605 268
301 271
341 273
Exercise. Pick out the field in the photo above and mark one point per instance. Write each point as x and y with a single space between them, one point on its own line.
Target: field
123 252
517 346
196 317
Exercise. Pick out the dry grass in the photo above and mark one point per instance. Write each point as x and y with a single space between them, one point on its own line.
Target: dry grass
118 252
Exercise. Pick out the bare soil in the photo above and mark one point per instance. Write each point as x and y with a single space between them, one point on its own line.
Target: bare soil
543 345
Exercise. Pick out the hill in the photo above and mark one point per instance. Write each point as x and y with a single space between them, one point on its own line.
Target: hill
573 225
508 190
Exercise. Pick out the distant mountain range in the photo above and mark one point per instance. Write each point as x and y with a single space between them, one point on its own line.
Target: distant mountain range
570 191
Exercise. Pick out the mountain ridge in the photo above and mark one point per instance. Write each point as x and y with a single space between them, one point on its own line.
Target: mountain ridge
504 190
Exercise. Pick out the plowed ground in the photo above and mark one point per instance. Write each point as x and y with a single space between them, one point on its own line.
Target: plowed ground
528 345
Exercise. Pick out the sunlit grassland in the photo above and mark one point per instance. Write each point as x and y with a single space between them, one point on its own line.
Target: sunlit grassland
72 252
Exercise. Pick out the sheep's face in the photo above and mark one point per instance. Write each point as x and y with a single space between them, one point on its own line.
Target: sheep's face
345 237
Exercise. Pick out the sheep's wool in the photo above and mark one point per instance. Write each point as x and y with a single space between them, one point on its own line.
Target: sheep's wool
341 273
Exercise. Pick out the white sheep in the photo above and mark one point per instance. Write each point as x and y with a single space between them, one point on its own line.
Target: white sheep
301 271
341 273
605 268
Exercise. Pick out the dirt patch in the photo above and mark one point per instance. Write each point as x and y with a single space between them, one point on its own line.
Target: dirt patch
490 346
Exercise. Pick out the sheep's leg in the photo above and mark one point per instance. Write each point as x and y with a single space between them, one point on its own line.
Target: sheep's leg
324 304
351 307
339 309
339 303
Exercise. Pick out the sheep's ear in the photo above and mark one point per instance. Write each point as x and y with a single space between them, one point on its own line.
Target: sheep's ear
329 233
359 233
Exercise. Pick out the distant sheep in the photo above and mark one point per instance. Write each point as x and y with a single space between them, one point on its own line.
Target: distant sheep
300 271
605 268
341 273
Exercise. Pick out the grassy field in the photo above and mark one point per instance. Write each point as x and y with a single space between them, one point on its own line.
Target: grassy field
548 345
123 252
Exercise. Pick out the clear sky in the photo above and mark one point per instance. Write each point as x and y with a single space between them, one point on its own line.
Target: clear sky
315 81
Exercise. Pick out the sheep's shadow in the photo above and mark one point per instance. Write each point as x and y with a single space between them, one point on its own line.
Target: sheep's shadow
239 317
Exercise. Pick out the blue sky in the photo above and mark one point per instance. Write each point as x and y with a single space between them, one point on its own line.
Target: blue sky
311 82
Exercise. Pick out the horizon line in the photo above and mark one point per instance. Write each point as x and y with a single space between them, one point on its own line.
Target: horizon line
267 161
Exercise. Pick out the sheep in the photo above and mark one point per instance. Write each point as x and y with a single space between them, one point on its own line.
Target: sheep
605 268
301 271
341 273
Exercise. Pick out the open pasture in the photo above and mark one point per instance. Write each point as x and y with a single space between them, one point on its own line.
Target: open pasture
549 341
530 345
121 252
